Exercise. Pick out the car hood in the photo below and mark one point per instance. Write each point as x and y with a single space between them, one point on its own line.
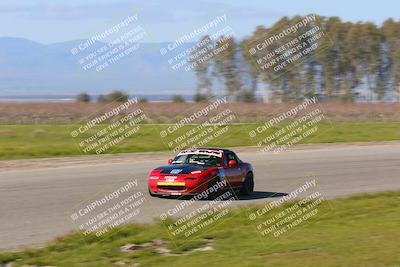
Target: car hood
176 169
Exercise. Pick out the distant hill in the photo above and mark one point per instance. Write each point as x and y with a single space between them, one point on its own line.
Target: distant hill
27 67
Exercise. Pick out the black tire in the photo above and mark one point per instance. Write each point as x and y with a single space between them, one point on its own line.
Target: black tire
151 194
248 185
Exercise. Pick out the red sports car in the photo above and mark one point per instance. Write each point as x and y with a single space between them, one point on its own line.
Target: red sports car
196 170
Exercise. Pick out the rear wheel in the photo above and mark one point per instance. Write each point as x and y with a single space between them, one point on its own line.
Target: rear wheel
248 185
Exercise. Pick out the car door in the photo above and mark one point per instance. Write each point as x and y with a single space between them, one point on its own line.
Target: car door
232 174
242 171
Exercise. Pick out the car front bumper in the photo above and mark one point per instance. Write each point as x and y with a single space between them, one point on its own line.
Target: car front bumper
176 188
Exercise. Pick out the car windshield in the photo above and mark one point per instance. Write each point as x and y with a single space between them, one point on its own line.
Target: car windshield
199 159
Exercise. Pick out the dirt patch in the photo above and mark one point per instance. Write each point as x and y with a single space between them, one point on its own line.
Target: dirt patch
159 246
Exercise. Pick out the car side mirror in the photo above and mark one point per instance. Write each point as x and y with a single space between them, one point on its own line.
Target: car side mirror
170 161
232 163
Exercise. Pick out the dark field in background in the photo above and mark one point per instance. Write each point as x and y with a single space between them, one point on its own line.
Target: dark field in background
67 113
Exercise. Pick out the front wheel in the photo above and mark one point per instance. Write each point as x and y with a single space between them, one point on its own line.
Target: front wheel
151 194
248 185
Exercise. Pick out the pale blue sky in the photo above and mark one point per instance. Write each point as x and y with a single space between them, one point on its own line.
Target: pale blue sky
49 21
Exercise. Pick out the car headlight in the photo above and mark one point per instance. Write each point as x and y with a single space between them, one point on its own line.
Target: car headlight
153 177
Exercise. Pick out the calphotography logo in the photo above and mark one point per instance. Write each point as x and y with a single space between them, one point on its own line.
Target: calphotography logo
109 210
199 214
297 125
201 126
286 45
292 210
186 53
108 47
110 127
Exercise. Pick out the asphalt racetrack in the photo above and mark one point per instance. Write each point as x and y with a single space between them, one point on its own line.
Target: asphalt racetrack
38 196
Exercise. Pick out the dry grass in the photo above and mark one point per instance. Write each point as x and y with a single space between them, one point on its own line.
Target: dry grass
66 113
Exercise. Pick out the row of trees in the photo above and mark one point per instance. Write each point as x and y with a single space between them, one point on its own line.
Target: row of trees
354 62
120 96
